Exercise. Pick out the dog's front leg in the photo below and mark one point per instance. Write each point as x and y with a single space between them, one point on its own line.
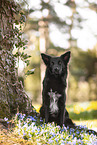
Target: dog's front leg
62 115
46 114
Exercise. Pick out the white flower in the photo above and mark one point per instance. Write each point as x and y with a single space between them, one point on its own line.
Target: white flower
6 119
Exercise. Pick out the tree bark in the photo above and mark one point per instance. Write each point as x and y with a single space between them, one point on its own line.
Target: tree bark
12 96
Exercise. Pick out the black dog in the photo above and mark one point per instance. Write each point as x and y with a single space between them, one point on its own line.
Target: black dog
54 86
54 96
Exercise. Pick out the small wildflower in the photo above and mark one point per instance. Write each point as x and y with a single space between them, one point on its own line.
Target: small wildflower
77 132
6 119
32 118
52 134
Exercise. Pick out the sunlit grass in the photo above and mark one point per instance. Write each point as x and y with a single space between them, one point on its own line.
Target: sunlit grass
78 111
77 107
37 107
86 106
12 138
89 123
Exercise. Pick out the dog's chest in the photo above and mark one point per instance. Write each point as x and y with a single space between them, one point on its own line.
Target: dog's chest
56 85
54 97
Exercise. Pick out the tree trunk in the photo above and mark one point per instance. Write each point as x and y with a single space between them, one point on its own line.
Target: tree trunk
12 96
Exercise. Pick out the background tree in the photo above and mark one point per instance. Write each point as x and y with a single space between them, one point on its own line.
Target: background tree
12 96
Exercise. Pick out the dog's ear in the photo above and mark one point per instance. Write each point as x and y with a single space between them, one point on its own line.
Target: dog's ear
65 57
46 58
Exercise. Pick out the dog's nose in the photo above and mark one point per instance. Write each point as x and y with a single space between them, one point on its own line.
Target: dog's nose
57 69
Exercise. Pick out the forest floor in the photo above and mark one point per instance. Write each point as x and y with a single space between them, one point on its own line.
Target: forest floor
9 137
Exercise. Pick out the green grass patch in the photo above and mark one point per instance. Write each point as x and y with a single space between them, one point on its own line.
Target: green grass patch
86 115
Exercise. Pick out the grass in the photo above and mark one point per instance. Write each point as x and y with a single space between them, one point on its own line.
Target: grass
49 133
33 131
89 123
11 138
86 115
80 111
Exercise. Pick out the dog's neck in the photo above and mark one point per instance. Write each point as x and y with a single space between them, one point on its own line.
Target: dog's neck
59 79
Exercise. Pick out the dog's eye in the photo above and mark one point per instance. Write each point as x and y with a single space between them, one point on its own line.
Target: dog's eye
59 62
52 63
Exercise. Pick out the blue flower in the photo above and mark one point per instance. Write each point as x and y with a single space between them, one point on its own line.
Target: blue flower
50 141
52 133
7 122
56 140
77 132
63 143
24 134
41 120
63 129
32 118
67 127
73 135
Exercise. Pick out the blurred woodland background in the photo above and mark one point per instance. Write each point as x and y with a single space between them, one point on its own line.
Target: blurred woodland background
29 27
55 26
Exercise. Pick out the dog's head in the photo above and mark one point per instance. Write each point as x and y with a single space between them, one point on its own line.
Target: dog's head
56 65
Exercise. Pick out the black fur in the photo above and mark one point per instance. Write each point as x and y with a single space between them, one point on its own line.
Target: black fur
54 87
55 82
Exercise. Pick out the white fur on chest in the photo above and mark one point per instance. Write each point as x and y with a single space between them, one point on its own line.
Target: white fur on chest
54 97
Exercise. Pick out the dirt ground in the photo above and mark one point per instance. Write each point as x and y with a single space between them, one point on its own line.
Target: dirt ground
8 137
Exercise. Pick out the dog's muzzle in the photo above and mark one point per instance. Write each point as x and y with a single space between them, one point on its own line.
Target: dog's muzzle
56 71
